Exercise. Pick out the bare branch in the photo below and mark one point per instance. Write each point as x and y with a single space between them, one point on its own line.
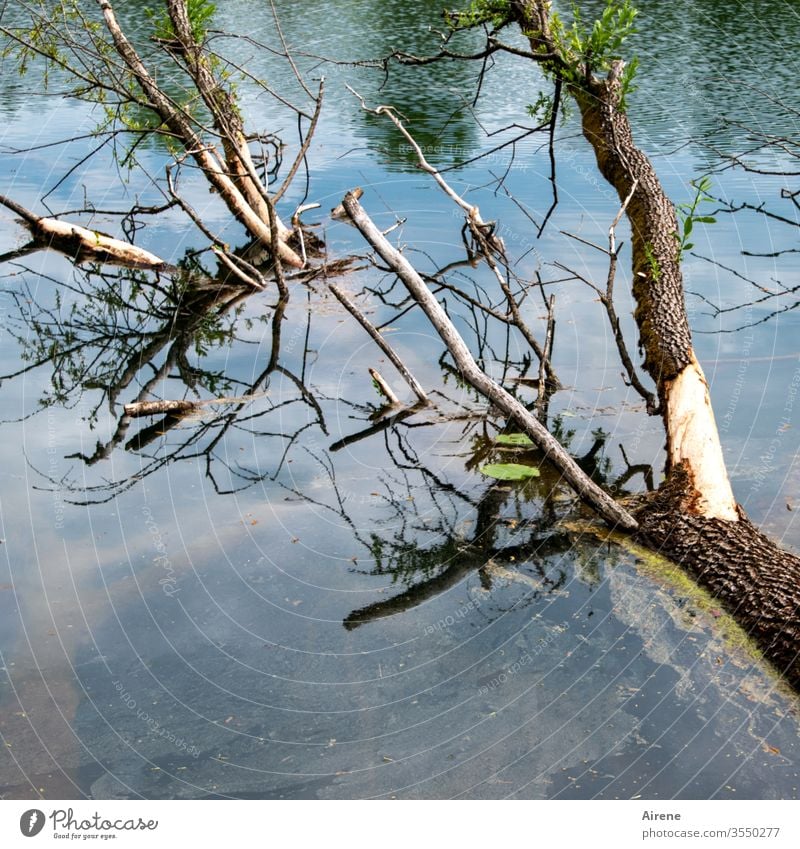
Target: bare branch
571 472
380 340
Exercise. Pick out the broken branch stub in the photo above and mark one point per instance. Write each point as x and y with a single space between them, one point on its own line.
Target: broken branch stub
380 341
586 489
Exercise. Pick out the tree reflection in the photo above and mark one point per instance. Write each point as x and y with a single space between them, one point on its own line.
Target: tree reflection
106 334
431 534
109 336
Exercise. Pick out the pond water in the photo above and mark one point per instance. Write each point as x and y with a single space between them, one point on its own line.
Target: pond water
251 602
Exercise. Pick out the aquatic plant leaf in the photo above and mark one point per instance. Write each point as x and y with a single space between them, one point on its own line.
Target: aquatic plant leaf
519 440
509 471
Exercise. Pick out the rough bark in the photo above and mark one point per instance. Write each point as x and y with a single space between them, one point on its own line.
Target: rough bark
753 578
693 519
665 338
384 388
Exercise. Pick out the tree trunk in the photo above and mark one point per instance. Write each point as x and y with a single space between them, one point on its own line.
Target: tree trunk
693 519
225 115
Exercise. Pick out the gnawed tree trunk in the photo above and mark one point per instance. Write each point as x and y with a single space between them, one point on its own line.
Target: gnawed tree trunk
693 518
665 338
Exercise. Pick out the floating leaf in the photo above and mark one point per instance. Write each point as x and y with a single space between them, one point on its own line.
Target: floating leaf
509 471
520 440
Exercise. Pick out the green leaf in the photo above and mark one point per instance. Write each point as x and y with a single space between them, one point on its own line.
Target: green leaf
705 219
509 471
688 246
519 440
703 184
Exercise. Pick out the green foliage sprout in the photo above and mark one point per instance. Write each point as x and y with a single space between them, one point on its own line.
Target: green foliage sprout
585 49
480 12
687 213
542 109
595 49
652 262
200 14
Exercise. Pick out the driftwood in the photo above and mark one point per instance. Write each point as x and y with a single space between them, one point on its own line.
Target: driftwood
155 408
73 239
386 419
472 373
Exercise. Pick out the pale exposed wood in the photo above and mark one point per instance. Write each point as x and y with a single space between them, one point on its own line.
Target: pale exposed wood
472 211
692 518
693 440
72 238
545 390
137 409
226 117
384 388
510 406
665 336
204 155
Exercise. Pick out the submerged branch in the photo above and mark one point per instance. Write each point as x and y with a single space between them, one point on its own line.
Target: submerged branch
381 342
137 409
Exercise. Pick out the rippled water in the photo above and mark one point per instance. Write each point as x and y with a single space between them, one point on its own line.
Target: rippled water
252 603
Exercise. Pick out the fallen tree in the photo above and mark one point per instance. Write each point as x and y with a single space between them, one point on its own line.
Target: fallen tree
693 518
